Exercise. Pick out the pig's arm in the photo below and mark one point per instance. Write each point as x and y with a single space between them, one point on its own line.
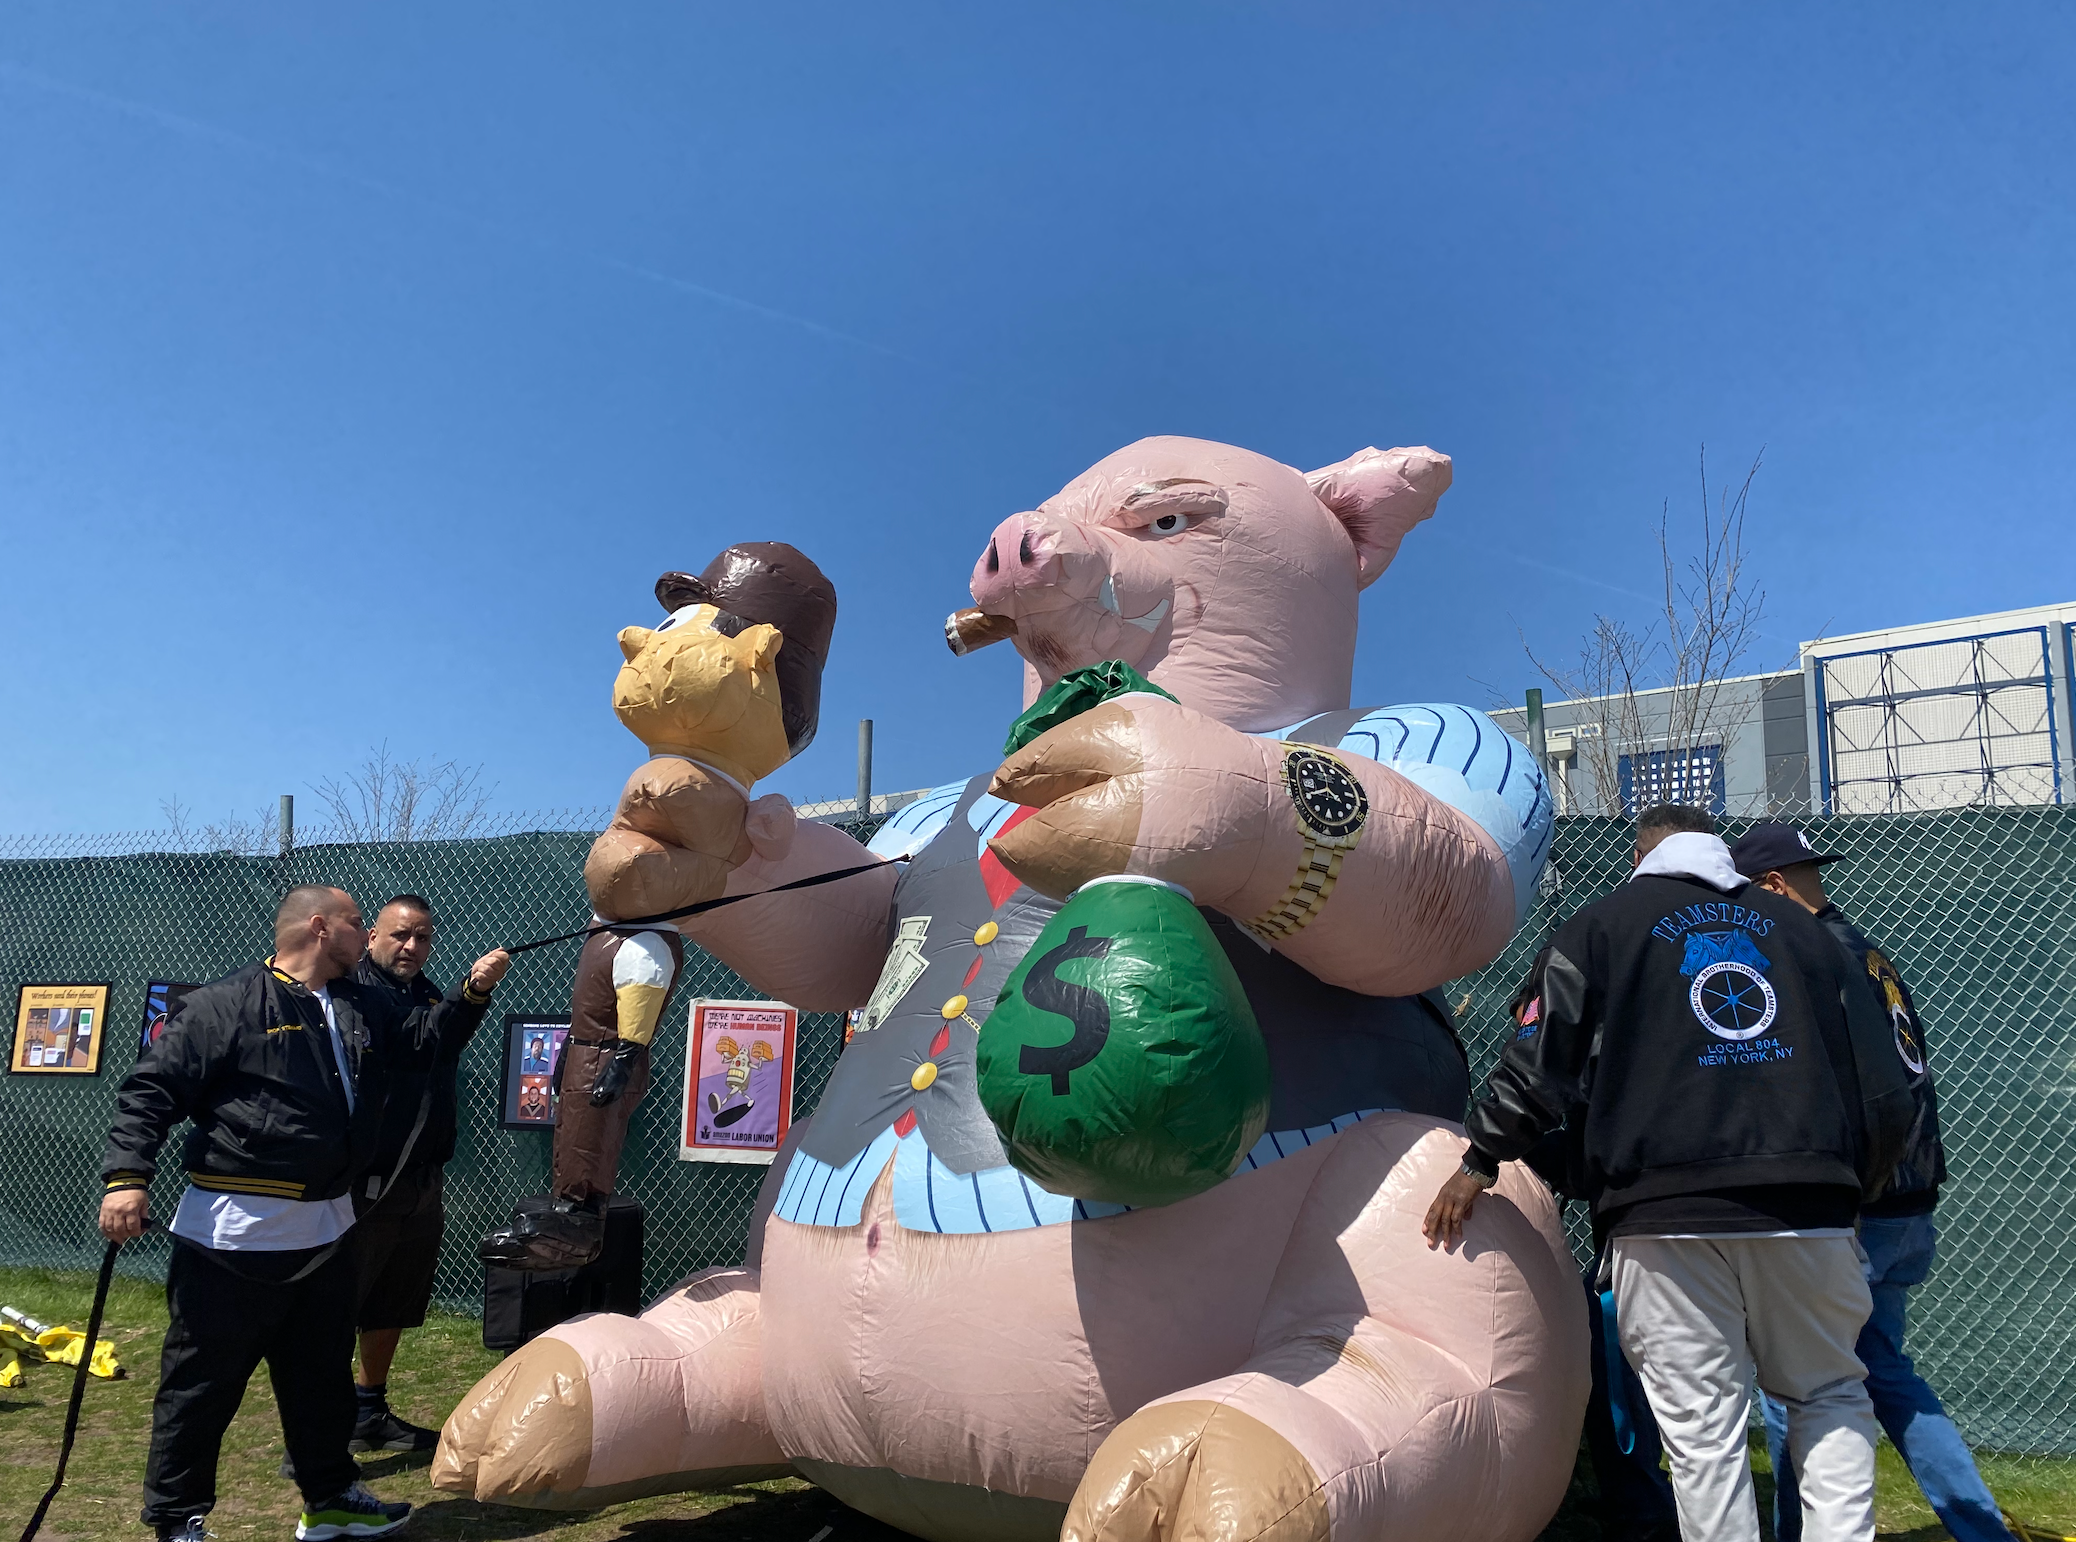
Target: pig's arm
1457 830
819 949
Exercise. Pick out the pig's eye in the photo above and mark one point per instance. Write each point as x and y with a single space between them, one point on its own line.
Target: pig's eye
1169 524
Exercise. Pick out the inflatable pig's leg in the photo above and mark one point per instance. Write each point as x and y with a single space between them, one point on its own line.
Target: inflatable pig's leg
1393 1391
606 1408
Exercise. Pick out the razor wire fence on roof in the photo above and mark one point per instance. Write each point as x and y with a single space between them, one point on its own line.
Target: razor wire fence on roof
1977 908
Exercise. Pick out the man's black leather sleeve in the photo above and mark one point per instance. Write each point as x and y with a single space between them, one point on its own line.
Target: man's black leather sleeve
1886 1107
1542 1074
164 1088
455 1020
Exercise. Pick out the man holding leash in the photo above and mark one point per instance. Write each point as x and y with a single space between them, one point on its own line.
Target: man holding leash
278 1069
396 1245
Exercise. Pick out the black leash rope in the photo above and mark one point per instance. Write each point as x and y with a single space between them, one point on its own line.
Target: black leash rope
79 1385
636 923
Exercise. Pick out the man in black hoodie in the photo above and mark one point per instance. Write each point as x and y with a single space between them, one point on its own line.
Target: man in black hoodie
1896 1231
397 1242
1741 1096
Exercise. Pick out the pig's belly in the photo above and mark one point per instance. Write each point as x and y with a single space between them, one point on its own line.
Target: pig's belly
1000 1361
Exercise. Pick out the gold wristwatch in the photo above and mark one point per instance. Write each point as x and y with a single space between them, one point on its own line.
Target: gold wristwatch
1331 811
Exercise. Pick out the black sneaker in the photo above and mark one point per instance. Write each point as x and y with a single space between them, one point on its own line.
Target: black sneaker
355 1513
194 1529
386 1432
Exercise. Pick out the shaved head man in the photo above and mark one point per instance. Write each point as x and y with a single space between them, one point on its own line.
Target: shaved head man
272 1066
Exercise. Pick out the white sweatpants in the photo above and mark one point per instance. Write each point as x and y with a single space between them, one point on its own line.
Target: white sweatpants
1697 1315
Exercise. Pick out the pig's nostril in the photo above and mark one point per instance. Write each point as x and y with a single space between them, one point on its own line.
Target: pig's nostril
1024 554
994 559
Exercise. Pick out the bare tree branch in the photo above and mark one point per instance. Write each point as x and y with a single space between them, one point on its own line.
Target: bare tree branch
406 800
1708 624
255 837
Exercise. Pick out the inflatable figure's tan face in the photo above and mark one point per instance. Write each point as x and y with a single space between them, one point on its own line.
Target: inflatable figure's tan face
687 689
1227 577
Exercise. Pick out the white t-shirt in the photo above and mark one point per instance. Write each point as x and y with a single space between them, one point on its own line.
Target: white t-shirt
258 1223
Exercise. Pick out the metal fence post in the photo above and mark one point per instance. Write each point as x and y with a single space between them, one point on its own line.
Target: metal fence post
864 768
288 823
1538 741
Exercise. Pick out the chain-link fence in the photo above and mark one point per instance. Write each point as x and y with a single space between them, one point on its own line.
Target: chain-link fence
1978 909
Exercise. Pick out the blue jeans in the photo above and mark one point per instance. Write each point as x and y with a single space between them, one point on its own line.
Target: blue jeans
1899 1255
1636 1503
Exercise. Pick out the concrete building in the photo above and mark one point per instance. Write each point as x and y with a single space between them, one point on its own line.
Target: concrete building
1945 714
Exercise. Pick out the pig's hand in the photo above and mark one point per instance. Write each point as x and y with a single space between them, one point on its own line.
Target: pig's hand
1148 787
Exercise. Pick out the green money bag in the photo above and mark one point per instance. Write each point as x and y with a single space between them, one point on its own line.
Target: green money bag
1122 1061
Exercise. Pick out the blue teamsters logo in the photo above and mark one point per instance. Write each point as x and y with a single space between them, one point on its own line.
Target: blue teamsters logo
1730 994
1705 948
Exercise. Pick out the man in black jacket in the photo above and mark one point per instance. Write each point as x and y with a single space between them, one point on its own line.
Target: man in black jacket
277 1067
1741 1095
397 1243
1896 1231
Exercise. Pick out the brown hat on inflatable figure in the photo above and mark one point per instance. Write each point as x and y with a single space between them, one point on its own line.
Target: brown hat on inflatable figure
773 584
725 691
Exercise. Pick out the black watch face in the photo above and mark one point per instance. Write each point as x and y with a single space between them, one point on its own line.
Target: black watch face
1326 792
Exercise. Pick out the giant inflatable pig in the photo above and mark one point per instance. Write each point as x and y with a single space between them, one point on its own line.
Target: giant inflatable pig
939 1341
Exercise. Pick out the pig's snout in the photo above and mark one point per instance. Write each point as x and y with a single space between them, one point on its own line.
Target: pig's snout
1023 553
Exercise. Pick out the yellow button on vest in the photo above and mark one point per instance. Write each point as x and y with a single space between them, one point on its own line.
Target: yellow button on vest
988 933
953 1009
923 1075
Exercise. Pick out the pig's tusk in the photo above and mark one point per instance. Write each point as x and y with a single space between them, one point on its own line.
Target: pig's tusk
967 630
1150 620
1107 598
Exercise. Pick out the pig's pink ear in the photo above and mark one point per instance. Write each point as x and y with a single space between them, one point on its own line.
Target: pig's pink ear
1378 495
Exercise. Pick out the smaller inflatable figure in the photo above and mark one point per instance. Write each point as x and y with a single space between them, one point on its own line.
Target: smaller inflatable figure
724 692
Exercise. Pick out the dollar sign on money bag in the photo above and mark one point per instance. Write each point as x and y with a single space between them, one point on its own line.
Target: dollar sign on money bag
1122 1062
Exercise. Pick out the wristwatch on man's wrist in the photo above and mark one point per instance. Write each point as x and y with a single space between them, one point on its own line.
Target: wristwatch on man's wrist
1332 809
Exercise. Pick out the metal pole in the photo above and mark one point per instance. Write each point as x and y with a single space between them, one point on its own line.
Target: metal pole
1538 740
864 768
288 823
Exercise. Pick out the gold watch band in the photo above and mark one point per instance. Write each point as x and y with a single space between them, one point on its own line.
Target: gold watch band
1306 896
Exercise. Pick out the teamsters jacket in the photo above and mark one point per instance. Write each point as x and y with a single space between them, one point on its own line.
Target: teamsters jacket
1708 1043
423 1036
249 1060
1914 1186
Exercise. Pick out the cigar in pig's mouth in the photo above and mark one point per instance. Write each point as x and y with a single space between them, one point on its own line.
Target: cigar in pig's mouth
968 630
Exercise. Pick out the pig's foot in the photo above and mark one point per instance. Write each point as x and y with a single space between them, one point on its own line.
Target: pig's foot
608 1408
1394 1390
1197 1469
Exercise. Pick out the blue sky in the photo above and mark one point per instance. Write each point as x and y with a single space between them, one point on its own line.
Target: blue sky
360 367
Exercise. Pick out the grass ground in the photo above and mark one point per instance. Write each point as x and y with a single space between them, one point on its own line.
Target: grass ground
441 1361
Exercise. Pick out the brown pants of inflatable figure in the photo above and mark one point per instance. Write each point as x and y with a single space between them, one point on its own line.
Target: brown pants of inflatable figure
588 1138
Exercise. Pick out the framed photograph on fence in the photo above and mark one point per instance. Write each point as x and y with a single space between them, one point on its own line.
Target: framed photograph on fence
533 1054
739 1062
161 997
58 1030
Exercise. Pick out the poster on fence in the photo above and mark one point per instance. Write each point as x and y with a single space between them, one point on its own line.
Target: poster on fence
738 1080
58 1029
533 1052
161 999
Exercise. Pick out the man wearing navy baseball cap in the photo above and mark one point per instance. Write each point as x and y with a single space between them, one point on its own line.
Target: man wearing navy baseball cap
1896 1230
